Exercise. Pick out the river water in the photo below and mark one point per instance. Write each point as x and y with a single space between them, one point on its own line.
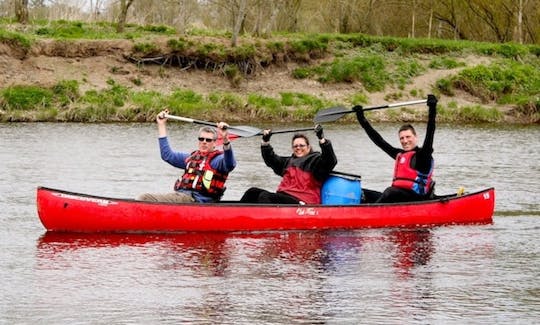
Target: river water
478 274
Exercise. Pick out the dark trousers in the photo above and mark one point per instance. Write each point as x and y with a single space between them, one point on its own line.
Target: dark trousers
395 194
258 195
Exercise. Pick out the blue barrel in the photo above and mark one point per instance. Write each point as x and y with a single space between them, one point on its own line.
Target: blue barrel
338 189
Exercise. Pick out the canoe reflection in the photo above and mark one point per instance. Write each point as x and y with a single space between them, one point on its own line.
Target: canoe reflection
214 252
414 248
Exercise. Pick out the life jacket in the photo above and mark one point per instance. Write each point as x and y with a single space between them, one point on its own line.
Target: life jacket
298 180
409 178
200 176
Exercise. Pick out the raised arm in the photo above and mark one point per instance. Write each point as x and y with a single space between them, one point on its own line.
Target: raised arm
374 135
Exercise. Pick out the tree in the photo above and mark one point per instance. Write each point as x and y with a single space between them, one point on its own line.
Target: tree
21 11
238 15
233 11
448 13
122 17
497 17
95 8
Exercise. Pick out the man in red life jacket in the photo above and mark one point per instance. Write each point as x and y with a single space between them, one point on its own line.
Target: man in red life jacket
205 169
413 169
302 173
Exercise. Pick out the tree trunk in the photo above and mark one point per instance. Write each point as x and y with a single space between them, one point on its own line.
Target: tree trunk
520 22
430 27
238 21
21 11
124 6
413 23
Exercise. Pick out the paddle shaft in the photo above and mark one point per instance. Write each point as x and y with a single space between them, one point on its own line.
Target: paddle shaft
335 113
290 130
412 102
242 131
372 108
189 120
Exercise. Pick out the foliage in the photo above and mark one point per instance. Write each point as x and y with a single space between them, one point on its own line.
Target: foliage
314 46
405 70
179 45
233 74
298 100
159 29
66 91
25 98
63 29
445 62
504 82
369 69
376 62
145 48
470 114
15 39
115 96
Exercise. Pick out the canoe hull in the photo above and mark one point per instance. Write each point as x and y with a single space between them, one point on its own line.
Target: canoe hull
66 211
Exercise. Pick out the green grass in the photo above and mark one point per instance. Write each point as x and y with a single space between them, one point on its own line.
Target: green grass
377 63
469 114
25 98
15 39
504 82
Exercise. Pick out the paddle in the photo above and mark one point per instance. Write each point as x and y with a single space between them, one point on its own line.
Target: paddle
335 113
244 131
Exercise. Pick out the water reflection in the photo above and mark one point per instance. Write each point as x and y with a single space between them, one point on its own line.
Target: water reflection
413 248
213 252
315 276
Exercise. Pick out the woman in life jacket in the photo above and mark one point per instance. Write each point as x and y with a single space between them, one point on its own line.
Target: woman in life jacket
302 173
205 170
413 168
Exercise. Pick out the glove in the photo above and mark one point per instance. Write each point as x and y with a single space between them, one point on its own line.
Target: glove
431 101
319 131
266 136
359 112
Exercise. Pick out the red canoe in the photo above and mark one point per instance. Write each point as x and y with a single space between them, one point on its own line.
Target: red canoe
74 212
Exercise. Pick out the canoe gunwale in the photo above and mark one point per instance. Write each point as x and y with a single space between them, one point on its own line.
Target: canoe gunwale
440 198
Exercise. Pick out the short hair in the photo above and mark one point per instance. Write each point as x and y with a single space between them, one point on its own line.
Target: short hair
405 127
300 136
209 129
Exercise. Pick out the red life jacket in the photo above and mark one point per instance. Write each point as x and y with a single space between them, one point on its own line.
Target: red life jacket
301 184
200 176
409 178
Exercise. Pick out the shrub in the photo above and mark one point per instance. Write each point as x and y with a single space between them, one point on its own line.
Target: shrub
25 98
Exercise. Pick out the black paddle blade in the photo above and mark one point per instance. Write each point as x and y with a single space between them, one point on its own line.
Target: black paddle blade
330 114
244 131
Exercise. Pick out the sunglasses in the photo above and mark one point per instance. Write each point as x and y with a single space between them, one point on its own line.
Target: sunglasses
299 146
205 139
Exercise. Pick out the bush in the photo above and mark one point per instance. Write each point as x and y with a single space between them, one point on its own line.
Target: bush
25 98
66 91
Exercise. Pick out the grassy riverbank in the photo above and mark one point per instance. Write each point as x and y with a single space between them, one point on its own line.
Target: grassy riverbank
72 71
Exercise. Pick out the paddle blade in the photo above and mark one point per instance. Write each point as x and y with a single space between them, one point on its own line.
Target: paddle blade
330 114
244 131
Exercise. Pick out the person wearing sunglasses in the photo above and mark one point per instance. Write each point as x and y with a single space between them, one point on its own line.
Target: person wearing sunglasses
303 172
205 170
413 166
